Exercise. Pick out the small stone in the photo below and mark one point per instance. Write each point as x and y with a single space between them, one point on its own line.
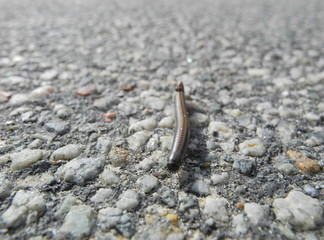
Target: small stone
176 236
66 205
6 186
173 218
108 218
80 170
37 143
315 138
118 156
67 152
105 103
155 103
128 108
244 166
166 143
146 164
187 203
288 169
312 117
62 111
240 224
227 147
25 158
138 140
103 144
87 90
198 119
109 117
19 99
168 197
216 208
200 187
58 127
166 122
257 214
219 129
252 147
41 91
129 200
310 190
258 72
153 143
219 178
146 124
49 75
14 217
301 211
78 223
282 83
148 183
303 163
108 177
102 195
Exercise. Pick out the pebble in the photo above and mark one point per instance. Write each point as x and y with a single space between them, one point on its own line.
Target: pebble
155 103
315 138
80 170
166 122
146 164
168 197
288 169
129 200
105 103
216 208
166 143
240 224
108 218
87 90
4 158
41 91
78 223
62 111
108 177
118 156
146 124
258 72
198 120
312 117
148 183
153 143
200 187
187 203
299 210
303 163
245 166
252 147
257 214
220 129
37 143
58 127
227 147
138 140
128 108
19 99
102 195
176 236
67 152
49 75
219 178
311 191
104 144
282 83
25 158
65 207
26 207
6 186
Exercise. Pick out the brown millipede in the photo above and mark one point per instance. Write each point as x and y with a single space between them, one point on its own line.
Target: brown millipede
181 135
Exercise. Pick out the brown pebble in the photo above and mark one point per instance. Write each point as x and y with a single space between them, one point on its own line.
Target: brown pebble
87 90
109 116
6 95
239 205
126 88
173 218
304 163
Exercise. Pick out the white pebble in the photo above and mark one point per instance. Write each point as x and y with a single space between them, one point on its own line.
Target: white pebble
108 177
199 119
258 72
155 103
67 152
138 140
299 210
257 214
25 158
146 124
153 143
146 164
220 129
219 178
19 99
166 143
240 224
148 183
166 122
103 144
200 187
312 117
101 195
216 208
129 200
41 91
252 147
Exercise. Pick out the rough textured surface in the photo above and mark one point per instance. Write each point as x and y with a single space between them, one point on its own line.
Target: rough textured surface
87 117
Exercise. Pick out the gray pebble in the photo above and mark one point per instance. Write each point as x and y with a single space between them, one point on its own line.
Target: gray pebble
49 75
37 143
148 183
155 103
168 197
257 214
105 103
244 166
65 207
129 200
103 144
6 186
252 147
25 158
240 224
200 187
299 210
60 128
146 164
220 129
62 111
108 218
19 99
187 203
138 140
80 170
78 223
101 196
146 124
219 178
311 191
198 119
67 152
153 143
166 122
108 177
216 208
288 169
118 156
128 108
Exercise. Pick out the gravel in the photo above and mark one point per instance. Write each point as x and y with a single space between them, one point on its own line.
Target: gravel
87 119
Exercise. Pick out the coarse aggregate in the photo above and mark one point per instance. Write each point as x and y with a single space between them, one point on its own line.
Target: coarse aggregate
87 119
